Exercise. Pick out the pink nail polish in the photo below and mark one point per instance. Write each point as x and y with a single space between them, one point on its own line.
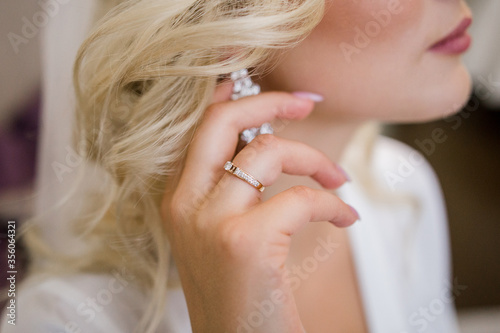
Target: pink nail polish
358 218
344 173
310 96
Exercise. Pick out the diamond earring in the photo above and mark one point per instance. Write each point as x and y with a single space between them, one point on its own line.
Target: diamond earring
243 86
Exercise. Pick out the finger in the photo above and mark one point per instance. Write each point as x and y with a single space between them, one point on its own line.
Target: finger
216 139
265 158
223 92
289 210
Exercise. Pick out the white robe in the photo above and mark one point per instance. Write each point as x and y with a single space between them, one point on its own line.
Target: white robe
401 259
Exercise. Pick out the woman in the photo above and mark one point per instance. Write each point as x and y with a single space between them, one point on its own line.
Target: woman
155 115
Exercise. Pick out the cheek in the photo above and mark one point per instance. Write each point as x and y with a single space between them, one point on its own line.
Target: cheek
375 66
369 59
359 28
360 52
354 36
356 33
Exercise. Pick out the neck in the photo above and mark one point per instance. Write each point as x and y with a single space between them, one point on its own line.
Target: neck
330 136
323 129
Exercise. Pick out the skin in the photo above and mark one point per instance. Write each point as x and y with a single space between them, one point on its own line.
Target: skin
234 248
395 70
406 82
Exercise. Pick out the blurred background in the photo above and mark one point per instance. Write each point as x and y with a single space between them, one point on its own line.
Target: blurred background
467 161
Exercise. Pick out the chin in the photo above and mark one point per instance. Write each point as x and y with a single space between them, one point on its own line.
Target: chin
441 98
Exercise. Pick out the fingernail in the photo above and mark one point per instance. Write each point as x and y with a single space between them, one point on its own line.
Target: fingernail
358 218
342 170
310 96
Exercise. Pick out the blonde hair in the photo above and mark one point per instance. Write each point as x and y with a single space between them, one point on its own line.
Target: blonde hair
143 79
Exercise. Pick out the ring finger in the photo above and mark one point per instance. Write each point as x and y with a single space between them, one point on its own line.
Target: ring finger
265 158
216 139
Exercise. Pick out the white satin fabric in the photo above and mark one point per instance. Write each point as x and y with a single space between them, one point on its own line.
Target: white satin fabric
401 258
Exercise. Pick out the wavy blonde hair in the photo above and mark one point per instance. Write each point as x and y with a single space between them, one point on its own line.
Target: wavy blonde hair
143 79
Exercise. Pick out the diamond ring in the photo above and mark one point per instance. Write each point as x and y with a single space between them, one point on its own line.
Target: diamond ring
234 170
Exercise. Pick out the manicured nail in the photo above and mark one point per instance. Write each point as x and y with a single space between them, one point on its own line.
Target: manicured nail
358 218
344 173
307 95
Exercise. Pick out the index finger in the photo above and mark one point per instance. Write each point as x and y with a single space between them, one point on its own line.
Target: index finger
223 92
216 139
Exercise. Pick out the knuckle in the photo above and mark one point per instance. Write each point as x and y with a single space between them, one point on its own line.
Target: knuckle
302 192
281 110
232 238
265 142
215 111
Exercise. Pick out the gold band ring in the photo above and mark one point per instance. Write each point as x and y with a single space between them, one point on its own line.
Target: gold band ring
234 170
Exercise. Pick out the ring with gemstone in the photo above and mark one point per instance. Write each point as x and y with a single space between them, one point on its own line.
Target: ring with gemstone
234 170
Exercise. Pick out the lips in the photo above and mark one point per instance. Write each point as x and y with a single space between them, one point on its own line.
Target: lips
457 42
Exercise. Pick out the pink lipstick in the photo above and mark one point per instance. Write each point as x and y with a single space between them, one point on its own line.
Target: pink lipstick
457 42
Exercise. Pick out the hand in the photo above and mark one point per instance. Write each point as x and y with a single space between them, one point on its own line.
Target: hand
230 247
